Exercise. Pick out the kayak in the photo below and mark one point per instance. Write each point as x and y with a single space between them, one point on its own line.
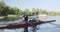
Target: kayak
24 24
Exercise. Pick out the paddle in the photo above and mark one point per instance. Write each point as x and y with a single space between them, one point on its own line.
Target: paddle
54 24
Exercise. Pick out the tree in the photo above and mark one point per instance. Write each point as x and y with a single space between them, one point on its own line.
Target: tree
3 9
37 11
15 11
27 11
11 11
34 10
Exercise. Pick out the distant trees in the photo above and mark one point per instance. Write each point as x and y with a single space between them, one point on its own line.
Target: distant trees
3 9
15 11
27 11
6 10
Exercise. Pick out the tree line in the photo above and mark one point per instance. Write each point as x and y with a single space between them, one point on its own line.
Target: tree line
6 10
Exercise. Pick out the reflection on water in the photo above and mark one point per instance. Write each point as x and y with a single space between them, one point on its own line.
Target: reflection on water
42 28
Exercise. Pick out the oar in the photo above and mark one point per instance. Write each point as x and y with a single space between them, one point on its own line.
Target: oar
54 24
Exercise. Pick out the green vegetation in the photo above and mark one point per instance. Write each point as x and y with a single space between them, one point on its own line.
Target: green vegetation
12 17
6 10
13 12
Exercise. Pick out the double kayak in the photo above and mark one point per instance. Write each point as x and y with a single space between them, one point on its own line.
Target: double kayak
24 24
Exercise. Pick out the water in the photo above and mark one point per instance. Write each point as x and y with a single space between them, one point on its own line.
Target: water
42 28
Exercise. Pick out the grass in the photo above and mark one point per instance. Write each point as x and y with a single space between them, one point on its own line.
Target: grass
12 17
9 17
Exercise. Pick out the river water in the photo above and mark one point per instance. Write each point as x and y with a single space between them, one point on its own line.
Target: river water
42 28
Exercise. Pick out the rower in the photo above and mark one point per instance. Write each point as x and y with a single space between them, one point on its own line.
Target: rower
34 19
25 16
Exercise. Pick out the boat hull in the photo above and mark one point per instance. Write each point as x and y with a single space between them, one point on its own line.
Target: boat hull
24 25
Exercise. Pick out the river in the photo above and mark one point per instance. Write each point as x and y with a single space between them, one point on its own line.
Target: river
42 28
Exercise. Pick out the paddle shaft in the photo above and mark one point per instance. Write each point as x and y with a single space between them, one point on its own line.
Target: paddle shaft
54 24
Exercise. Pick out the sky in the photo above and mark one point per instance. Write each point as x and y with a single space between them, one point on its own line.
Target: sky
50 5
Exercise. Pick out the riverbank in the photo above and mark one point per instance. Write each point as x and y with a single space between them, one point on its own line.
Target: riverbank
9 17
15 17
